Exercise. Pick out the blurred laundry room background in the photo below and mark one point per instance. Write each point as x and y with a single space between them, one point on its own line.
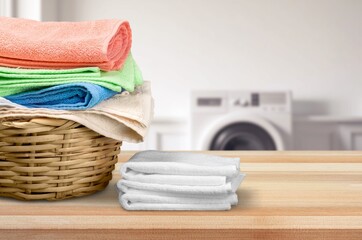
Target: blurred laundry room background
238 74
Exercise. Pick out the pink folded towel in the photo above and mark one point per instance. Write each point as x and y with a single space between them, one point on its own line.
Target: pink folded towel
32 44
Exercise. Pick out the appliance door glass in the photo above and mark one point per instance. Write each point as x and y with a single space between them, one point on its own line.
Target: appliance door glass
242 136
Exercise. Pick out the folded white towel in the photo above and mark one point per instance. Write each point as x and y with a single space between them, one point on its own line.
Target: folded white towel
174 179
181 163
135 200
173 207
139 196
230 187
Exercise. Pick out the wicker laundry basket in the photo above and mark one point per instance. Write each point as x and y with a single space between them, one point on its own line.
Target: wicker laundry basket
53 159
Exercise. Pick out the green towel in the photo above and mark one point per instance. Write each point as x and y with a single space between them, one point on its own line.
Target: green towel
17 80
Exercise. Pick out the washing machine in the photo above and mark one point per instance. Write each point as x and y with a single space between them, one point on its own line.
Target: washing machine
241 120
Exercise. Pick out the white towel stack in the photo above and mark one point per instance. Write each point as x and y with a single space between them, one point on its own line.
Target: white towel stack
154 180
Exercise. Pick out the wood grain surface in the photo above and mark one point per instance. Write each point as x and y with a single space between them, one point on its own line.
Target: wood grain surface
285 195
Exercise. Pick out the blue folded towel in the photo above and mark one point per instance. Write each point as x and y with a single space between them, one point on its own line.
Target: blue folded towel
72 96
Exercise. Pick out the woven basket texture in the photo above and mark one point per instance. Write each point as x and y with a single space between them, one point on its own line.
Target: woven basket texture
53 159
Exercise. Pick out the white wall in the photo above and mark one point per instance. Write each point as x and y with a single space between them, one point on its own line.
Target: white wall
41 10
312 47
6 8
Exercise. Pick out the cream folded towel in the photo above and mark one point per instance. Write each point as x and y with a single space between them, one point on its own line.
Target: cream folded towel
124 117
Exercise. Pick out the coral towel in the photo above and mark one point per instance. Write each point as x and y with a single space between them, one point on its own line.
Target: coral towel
57 45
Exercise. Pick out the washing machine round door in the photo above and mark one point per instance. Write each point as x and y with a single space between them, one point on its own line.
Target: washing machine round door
242 136
241 132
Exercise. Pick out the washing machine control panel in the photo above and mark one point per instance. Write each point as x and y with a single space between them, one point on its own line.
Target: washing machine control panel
247 101
209 102
241 102
233 100
261 101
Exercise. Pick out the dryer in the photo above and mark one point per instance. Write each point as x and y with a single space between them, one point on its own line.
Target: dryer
241 120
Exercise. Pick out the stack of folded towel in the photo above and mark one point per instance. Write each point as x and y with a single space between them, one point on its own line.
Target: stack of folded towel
81 71
154 180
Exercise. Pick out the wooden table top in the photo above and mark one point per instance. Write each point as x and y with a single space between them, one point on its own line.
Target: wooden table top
285 194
